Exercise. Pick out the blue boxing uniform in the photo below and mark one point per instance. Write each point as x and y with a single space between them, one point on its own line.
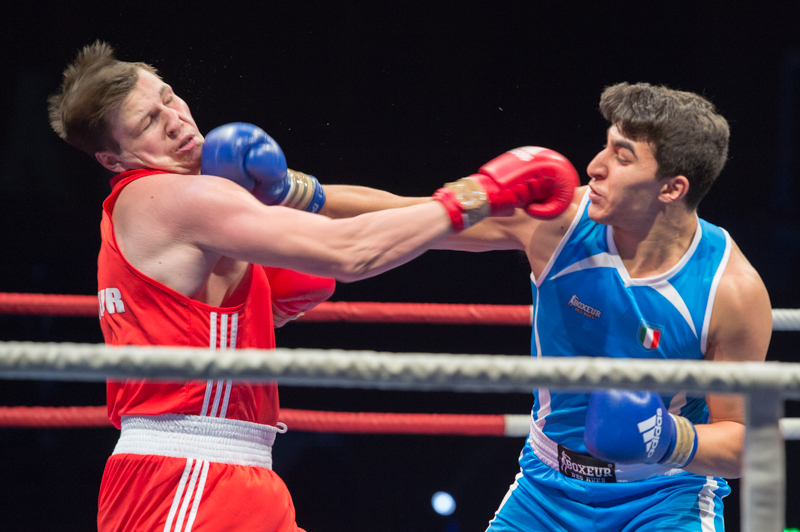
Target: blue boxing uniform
586 304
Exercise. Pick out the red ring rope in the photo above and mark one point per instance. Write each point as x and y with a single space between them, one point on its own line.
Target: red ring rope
73 305
305 420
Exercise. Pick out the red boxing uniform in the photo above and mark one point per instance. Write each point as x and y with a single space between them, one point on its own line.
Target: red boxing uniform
196 455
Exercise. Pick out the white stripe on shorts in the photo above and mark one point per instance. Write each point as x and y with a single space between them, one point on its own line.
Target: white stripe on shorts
178 495
200 486
705 500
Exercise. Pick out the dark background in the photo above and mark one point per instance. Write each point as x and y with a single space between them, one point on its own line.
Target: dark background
399 96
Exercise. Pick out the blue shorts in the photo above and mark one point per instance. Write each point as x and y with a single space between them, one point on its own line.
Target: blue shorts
542 499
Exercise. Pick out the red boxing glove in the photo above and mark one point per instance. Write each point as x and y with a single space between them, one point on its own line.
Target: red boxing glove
294 293
539 180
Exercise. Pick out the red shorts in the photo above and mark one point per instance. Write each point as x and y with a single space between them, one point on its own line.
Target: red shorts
148 492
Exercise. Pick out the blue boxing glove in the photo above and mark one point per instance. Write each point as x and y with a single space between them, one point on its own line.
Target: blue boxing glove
246 155
635 427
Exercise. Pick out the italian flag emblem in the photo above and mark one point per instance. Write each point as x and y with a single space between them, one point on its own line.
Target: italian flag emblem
649 335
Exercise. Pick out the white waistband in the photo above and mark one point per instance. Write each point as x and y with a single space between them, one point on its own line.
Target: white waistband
547 451
227 441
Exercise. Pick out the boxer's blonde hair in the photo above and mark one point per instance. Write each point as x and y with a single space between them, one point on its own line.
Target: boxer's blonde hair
94 86
687 135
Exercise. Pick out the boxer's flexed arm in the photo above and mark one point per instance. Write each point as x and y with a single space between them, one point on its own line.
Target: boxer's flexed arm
739 331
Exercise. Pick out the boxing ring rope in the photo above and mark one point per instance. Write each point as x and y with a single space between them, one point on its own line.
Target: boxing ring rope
304 420
764 385
512 425
442 313
78 305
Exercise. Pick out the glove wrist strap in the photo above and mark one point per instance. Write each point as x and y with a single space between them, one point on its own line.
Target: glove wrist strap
685 443
466 202
305 192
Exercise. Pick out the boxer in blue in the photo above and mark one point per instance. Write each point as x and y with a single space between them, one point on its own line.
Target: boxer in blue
629 270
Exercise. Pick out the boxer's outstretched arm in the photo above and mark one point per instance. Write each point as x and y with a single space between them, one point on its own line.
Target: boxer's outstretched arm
222 218
346 201
219 217
517 232
740 331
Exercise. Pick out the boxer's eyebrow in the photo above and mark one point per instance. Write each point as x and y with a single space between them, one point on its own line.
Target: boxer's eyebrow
627 145
146 114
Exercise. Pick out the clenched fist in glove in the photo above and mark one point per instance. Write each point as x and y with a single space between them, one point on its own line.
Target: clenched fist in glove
635 427
539 180
246 155
295 293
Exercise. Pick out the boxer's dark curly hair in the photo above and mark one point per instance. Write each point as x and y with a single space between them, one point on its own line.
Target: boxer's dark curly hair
94 87
687 135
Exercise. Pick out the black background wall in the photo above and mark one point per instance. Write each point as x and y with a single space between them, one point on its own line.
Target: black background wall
399 96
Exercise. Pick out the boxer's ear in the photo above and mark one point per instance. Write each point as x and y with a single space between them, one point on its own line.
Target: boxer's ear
673 189
110 160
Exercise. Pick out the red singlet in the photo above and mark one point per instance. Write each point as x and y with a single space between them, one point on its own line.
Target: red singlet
193 456
137 310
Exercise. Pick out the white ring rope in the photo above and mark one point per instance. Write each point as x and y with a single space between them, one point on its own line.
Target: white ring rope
785 319
764 385
407 371
790 428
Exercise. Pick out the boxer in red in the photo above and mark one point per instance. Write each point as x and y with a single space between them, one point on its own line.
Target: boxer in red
190 259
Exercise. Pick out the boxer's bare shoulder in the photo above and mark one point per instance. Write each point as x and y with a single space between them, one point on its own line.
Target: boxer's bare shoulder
543 237
741 321
154 220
